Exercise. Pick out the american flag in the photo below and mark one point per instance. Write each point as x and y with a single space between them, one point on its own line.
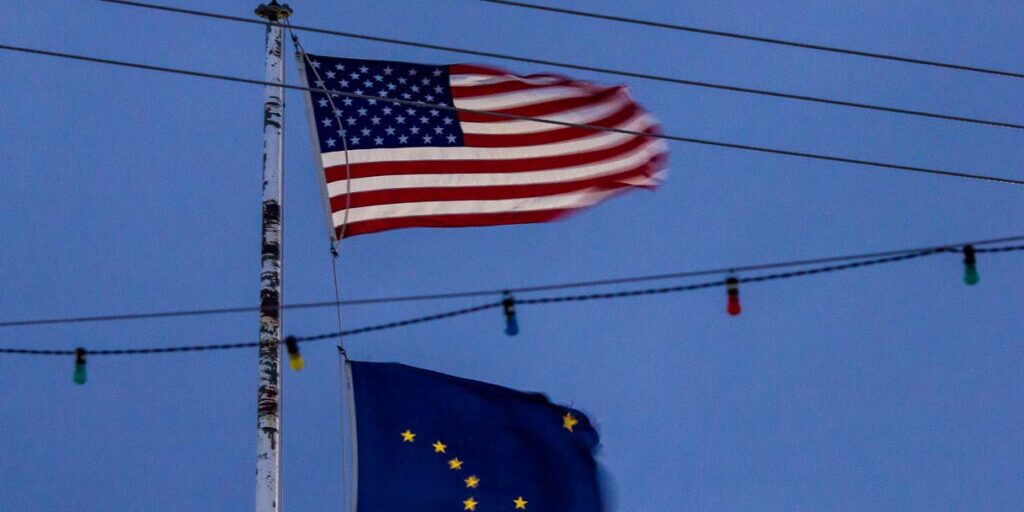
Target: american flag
423 166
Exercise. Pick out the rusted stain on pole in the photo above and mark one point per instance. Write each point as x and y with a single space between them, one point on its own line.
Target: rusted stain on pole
268 423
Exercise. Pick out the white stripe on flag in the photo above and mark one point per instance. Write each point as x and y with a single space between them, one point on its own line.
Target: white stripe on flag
471 80
631 160
427 208
584 115
522 98
599 140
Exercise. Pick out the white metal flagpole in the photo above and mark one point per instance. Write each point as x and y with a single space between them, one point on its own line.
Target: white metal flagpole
268 421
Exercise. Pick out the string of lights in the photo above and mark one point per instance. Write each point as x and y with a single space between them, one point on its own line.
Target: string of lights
509 304
580 67
757 39
956 247
663 136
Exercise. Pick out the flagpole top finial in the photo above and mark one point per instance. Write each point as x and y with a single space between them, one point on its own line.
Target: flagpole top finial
273 11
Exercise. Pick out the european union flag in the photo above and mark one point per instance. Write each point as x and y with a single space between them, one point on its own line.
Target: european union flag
432 442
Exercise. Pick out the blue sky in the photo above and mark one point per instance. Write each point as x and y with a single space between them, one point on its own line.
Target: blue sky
895 388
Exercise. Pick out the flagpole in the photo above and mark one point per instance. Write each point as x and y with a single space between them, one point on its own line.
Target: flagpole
268 421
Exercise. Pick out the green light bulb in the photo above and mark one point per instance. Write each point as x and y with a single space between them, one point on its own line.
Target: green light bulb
971 276
80 375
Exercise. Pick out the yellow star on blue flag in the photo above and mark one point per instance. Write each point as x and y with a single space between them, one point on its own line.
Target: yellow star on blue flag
493 448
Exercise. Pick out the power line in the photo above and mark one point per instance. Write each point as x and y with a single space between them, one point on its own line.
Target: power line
676 138
525 289
759 39
580 67
492 305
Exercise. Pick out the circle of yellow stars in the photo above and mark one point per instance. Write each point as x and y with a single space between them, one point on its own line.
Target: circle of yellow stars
472 481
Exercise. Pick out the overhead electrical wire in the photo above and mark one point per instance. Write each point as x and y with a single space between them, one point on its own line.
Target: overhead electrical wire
676 138
891 257
758 39
729 282
525 289
580 67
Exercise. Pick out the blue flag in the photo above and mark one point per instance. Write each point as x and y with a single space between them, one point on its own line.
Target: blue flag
430 442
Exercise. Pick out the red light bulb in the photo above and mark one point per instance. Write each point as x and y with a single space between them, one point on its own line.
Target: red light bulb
732 289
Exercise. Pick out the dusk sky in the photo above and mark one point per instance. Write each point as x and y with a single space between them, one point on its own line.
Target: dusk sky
892 388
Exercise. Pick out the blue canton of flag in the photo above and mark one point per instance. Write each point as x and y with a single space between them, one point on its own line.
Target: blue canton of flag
371 123
432 442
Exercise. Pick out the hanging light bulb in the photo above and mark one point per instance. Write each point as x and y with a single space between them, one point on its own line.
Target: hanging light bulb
79 376
732 290
294 357
509 307
971 276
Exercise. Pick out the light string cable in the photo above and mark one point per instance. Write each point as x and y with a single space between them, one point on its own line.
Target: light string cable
505 115
534 301
581 67
335 248
758 39
523 289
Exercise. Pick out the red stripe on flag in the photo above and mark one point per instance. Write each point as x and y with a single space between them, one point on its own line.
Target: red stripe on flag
452 221
337 173
542 108
474 69
480 140
461 220
476 91
491 193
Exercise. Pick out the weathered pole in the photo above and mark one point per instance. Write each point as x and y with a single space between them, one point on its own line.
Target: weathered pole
268 422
